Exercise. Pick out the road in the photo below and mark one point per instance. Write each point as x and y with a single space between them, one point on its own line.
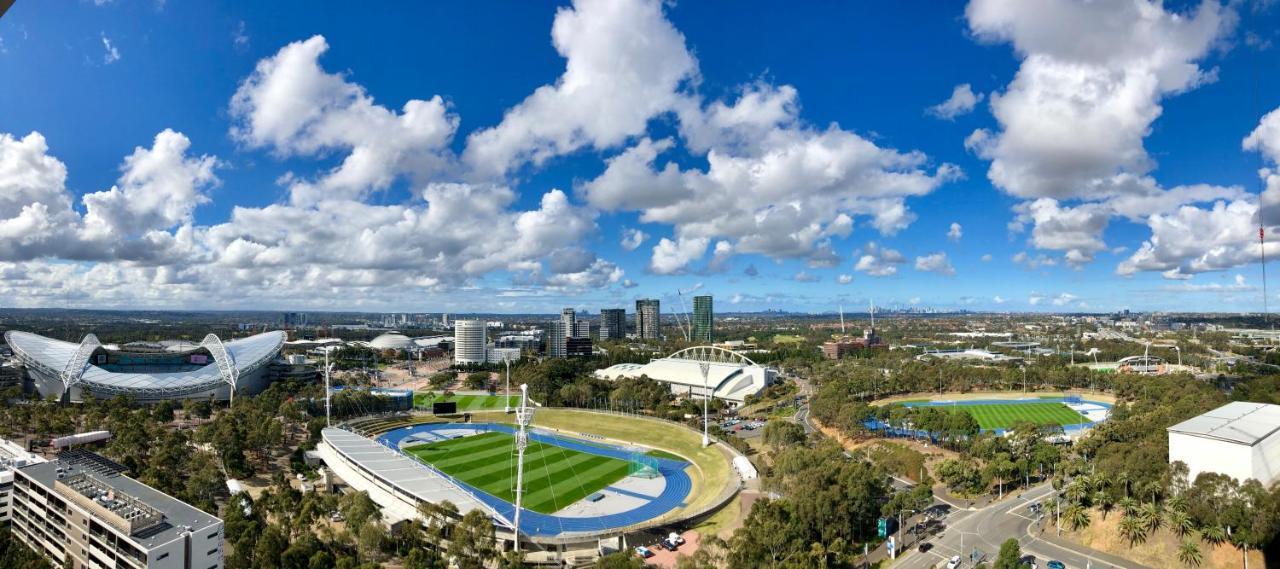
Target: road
805 390
987 528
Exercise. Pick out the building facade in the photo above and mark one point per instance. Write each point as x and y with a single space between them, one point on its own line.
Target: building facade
648 313
471 337
569 320
613 324
556 340
83 512
703 319
582 329
12 457
1239 439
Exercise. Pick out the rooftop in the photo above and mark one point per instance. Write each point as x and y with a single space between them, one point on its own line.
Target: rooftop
1239 422
152 517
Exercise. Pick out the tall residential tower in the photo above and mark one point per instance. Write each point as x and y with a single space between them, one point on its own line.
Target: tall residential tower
703 319
648 314
613 323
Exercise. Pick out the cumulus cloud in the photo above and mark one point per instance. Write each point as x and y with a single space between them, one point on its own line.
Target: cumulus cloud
1091 82
111 53
961 102
293 107
671 257
633 238
879 261
955 232
935 263
624 64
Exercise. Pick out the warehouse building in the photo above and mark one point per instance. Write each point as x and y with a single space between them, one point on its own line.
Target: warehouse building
1238 439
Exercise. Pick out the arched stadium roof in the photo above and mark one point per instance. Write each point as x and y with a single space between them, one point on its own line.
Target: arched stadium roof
70 362
730 375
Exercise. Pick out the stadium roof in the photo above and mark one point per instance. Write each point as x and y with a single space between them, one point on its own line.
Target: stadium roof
731 375
71 362
1239 422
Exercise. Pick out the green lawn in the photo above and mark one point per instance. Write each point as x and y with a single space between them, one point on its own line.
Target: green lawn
1006 415
554 477
422 400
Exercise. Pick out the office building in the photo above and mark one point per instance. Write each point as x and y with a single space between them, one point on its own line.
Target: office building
648 314
470 337
582 329
613 324
556 340
703 319
577 347
569 320
81 511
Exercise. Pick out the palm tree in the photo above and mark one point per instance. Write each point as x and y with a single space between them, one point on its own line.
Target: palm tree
1150 515
1077 516
1132 529
1189 553
1123 478
1213 534
1179 522
1128 505
1102 500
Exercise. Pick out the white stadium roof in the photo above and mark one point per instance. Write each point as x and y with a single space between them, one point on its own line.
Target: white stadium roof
732 376
1239 422
71 362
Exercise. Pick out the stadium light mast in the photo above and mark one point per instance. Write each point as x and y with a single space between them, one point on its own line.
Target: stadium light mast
327 420
706 398
524 416
507 394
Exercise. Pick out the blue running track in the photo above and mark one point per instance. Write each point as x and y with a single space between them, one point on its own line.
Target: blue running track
533 523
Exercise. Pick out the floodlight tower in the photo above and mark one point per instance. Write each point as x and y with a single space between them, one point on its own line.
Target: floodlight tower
524 416
327 368
507 394
706 398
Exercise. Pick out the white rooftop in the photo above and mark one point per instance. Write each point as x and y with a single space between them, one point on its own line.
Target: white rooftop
1238 422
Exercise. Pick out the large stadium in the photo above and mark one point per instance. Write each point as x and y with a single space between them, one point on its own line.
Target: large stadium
592 481
147 372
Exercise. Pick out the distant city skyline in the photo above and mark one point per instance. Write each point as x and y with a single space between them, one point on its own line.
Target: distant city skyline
441 158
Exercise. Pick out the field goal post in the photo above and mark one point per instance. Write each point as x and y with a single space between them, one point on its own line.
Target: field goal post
642 465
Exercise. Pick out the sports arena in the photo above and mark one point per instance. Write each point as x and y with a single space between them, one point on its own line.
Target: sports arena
145 371
592 481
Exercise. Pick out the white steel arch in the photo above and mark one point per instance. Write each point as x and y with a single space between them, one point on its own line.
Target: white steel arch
224 360
713 354
79 362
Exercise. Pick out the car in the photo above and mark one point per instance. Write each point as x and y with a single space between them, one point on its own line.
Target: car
1055 564
644 552
953 562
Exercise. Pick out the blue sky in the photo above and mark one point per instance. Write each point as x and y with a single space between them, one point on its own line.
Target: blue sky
456 157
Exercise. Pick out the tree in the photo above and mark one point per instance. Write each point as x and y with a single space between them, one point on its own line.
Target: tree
1214 534
619 560
1189 553
358 508
473 545
1077 516
1132 529
779 433
266 554
477 380
1149 513
1010 555
1179 522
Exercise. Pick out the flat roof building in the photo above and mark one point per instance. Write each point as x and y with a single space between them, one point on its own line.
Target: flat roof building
12 457
1238 439
82 511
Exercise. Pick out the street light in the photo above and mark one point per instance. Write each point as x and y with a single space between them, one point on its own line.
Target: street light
962 534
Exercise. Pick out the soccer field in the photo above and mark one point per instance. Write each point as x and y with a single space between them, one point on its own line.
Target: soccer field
554 477
1006 415
467 402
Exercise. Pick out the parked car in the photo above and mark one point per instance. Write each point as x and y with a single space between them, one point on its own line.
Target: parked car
953 562
1055 564
644 552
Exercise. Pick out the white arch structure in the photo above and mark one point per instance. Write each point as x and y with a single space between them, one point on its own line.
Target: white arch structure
731 376
224 360
712 354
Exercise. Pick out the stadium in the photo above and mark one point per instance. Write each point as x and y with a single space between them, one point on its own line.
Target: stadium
1001 412
593 481
145 371
730 376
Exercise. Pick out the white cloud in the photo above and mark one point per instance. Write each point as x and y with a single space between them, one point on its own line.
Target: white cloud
805 277
1236 285
998 299
955 232
293 106
240 38
624 65
961 102
671 257
879 261
986 258
935 263
1063 299
111 54
1035 298
633 238
844 279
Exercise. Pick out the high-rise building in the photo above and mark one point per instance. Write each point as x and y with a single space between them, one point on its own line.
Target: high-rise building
582 329
556 340
648 314
12 457
469 340
703 319
569 320
82 511
613 323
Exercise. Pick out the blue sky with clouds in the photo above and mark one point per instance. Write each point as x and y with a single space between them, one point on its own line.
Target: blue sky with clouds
522 156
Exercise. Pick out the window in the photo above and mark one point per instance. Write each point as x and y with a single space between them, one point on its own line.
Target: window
212 535
166 554
212 551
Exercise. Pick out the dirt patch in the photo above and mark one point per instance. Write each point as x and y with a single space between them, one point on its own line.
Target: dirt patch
1160 548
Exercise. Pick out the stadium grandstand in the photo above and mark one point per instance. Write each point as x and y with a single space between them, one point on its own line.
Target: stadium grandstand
148 373
731 376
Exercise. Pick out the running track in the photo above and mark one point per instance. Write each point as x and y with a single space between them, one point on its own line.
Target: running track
673 494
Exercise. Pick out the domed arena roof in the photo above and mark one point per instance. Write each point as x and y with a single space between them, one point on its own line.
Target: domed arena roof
392 342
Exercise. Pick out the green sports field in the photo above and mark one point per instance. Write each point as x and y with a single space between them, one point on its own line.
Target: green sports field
1006 415
554 476
466 402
